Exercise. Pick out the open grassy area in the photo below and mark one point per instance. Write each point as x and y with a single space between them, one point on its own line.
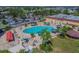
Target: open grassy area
65 44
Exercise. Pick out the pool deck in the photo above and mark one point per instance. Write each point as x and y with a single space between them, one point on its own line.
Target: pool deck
18 33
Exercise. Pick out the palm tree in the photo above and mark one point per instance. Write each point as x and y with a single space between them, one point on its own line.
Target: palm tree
46 47
46 44
46 35
63 30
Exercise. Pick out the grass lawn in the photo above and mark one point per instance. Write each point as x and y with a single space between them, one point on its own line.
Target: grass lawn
65 45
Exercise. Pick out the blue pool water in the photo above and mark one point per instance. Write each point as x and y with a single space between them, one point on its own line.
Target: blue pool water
38 29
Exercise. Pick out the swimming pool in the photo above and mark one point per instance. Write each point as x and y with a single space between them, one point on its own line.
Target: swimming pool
38 29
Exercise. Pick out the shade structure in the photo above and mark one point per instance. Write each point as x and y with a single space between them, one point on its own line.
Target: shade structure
73 34
9 36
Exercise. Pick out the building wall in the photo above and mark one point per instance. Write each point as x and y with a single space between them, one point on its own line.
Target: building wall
56 21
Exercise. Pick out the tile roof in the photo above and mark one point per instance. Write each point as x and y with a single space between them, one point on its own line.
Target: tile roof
64 16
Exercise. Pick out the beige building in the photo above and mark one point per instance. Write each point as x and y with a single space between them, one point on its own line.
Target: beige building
56 20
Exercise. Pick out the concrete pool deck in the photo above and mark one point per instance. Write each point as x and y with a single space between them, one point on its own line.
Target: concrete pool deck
18 32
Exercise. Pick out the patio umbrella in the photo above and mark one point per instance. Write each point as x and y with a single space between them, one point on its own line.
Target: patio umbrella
9 36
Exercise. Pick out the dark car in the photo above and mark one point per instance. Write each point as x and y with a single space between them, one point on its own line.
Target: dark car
1 32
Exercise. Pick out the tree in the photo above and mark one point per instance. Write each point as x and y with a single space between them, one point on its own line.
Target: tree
45 35
4 22
65 11
63 30
76 13
52 12
46 44
58 11
17 12
46 47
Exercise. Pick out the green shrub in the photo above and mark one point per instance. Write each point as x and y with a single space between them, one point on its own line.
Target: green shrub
46 47
7 28
4 51
23 51
4 22
33 35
